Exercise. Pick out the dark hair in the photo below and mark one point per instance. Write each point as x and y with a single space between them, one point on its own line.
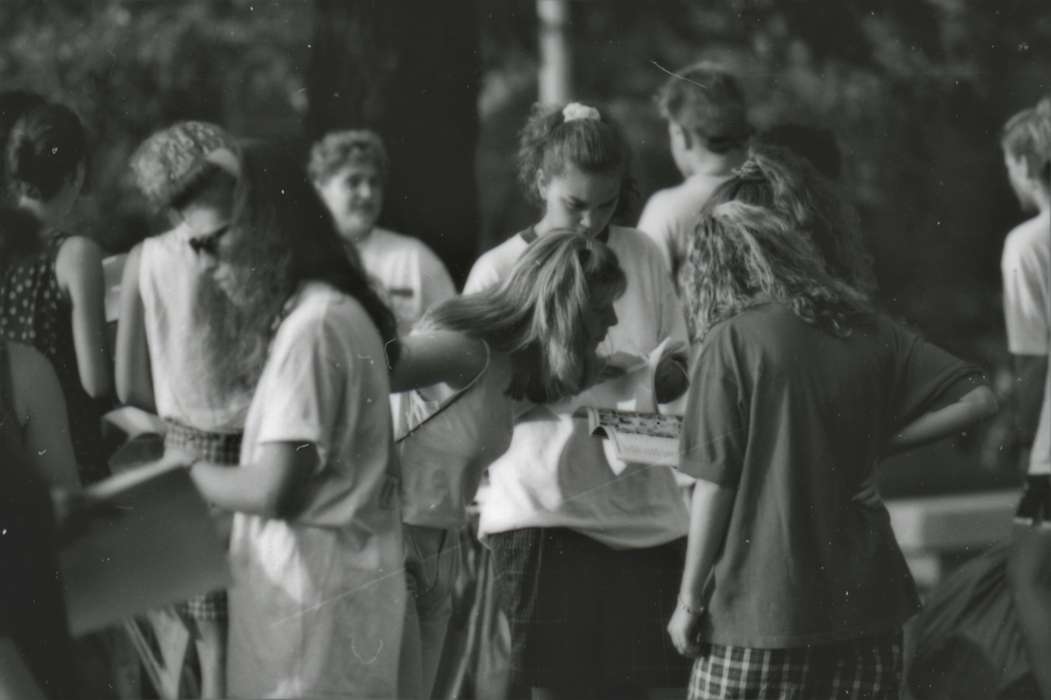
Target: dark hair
46 146
1027 135
788 185
19 235
291 238
706 100
549 143
537 314
744 255
13 104
818 146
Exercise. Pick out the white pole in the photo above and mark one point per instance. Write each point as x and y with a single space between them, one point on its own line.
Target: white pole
555 56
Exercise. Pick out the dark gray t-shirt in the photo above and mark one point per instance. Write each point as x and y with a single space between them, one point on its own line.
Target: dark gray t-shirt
796 419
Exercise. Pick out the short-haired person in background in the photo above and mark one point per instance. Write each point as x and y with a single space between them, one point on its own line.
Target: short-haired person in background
794 585
317 604
708 134
349 169
531 339
1026 269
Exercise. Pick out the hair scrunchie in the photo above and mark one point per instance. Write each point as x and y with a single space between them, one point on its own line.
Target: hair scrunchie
575 110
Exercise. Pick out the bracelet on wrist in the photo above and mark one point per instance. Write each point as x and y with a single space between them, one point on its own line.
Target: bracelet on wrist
698 610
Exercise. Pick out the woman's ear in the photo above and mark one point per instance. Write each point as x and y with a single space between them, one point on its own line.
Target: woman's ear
680 136
541 183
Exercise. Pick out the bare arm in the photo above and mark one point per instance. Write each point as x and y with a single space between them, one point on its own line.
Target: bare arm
710 512
435 357
38 397
134 383
269 487
971 408
79 272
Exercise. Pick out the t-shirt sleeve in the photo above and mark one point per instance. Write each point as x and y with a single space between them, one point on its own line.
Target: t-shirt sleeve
1026 288
304 387
714 433
927 377
435 283
481 277
673 318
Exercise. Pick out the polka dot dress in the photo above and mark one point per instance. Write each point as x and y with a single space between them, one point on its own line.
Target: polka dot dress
35 311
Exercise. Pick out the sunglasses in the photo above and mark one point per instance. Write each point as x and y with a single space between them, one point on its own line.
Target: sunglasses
209 242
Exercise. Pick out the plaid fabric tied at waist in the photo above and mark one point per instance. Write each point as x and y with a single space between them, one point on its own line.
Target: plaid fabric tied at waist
220 448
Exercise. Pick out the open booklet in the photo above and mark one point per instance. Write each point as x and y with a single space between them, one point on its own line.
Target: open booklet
645 438
143 539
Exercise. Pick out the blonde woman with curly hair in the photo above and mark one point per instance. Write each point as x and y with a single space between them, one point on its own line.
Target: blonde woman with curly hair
794 585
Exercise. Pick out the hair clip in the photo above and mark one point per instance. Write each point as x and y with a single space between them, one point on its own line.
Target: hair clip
575 110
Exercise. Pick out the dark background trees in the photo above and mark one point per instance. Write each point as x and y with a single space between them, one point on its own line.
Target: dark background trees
409 70
915 91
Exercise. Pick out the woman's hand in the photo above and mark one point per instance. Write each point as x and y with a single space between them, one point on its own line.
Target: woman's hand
684 630
868 492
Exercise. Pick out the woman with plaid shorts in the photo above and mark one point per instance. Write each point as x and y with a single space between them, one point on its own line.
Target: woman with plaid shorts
174 323
794 586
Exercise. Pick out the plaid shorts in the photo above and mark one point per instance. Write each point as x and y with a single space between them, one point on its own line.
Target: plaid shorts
219 449
861 669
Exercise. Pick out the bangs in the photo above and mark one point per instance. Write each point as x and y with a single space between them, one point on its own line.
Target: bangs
590 145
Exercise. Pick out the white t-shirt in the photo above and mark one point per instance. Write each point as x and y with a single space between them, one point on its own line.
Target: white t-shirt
1026 268
557 475
318 599
412 276
492 267
184 384
443 460
670 216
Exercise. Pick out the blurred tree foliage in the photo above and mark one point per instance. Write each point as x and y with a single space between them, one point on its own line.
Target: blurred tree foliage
408 70
131 66
915 91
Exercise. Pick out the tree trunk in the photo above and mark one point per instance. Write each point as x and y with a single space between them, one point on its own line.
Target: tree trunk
410 71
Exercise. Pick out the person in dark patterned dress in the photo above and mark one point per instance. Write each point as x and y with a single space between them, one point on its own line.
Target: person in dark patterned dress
52 299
